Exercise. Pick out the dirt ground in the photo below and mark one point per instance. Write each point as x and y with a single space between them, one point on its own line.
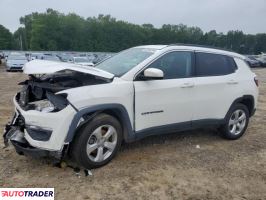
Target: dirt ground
161 167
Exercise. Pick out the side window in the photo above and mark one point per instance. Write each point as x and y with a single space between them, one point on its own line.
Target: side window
208 64
174 65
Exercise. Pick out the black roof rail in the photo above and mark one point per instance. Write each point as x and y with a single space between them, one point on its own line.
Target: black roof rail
199 45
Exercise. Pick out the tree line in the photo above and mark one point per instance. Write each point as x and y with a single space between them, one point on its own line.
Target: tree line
53 30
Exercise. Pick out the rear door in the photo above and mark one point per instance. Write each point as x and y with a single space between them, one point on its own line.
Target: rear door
216 85
168 101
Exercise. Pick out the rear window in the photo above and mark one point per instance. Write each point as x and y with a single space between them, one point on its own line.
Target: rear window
208 64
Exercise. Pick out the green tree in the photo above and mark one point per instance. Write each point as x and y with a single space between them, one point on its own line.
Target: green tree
53 30
5 38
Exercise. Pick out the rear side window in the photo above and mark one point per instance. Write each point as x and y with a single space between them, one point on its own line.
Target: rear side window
208 64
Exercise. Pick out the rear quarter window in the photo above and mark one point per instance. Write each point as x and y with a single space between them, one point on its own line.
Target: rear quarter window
208 64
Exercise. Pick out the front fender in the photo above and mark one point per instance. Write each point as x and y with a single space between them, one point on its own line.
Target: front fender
118 108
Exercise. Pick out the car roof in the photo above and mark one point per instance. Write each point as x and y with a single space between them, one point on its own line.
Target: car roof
192 47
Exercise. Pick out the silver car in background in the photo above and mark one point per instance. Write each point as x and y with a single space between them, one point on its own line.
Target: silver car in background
15 62
83 61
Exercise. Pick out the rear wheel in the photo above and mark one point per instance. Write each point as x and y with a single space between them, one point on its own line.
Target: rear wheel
237 121
97 143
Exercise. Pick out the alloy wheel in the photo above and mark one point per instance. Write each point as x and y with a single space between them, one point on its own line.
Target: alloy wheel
101 143
237 122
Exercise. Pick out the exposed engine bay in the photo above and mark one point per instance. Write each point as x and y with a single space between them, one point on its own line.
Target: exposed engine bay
39 91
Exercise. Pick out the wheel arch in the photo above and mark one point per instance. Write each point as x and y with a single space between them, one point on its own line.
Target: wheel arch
116 110
247 100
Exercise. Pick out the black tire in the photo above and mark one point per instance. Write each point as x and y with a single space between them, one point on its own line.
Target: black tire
225 129
78 149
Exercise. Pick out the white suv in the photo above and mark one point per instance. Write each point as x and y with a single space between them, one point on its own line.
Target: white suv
87 112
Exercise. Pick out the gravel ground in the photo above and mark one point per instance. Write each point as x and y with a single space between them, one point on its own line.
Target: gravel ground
160 167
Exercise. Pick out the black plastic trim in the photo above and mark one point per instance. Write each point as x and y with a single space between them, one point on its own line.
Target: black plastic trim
178 127
28 150
125 120
39 133
253 112
158 130
243 98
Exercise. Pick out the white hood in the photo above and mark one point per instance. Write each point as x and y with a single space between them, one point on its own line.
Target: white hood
49 67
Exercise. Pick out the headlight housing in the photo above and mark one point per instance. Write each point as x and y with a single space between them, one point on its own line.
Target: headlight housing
53 103
44 106
58 100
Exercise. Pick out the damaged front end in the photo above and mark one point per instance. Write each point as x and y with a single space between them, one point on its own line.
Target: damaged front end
43 113
14 132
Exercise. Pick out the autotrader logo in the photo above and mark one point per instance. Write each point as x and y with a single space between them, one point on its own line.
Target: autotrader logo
27 193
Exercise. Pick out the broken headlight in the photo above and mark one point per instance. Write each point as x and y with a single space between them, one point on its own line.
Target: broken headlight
44 106
59 101
53 103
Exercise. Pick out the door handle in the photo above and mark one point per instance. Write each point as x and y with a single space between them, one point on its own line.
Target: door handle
232 82
187 85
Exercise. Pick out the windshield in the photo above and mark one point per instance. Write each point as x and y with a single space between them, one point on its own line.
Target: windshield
126 60
79 60
17 58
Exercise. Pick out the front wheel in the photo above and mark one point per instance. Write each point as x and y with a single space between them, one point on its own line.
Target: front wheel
97 142
236 123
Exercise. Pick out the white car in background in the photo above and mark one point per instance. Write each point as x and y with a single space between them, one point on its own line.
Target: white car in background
51 58
34 56
84 61
15 62
87 112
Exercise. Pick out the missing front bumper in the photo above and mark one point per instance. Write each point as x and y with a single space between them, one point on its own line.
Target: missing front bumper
14 135
22 147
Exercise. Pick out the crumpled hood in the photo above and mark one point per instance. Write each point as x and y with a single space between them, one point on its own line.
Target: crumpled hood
49 67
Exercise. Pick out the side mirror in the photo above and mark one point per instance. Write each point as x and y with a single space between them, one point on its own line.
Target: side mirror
153 73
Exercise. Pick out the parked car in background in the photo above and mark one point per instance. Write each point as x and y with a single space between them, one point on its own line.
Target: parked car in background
34 56
87 113
84 61
65 57
262 59
253 62
6 54
1 57
101 57
91 56
44 56
51 58
15 62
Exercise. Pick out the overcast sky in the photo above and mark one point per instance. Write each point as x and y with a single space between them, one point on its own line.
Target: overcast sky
221 15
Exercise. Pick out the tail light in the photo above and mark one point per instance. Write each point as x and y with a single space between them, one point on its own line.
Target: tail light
256 80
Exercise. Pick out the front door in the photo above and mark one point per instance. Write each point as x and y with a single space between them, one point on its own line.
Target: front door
168 101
